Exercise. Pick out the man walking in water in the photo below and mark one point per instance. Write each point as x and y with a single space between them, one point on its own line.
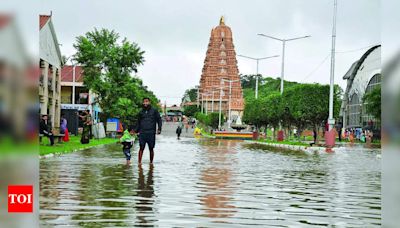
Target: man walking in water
146 128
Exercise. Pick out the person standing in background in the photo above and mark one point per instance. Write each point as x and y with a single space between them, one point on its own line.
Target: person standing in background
64 128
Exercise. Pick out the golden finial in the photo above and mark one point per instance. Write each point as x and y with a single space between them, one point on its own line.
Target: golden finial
222 21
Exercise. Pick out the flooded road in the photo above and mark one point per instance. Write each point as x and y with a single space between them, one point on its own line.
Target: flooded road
211 183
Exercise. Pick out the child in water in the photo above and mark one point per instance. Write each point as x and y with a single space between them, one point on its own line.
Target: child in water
127 141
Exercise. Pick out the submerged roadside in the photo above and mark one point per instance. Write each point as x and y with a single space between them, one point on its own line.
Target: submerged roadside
71 146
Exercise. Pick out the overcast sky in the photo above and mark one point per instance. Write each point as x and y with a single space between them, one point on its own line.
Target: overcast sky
175 34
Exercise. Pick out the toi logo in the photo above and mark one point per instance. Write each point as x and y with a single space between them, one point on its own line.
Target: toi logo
20 198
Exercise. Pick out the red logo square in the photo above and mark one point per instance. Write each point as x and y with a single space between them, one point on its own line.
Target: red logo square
20 198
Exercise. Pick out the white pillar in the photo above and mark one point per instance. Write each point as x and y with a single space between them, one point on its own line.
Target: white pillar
45 98
54 96
58 100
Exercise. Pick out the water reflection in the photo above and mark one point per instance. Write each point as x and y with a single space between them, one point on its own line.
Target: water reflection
218 180
211 183
145 193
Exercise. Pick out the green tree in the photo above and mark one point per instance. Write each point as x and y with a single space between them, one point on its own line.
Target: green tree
190 110
213 119
373 102
108 64
308 104
301 105
203 118
249 81
191 94
210 120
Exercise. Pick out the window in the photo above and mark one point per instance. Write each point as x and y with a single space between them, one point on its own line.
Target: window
374 83
366 118
354 111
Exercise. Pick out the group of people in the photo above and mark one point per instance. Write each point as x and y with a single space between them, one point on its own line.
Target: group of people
359 134
45 128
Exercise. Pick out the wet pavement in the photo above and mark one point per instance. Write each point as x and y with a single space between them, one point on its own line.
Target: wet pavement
211 183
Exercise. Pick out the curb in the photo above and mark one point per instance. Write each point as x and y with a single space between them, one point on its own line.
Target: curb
292 147
62 153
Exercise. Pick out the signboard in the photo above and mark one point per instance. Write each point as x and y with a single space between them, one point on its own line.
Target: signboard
79 107
112 126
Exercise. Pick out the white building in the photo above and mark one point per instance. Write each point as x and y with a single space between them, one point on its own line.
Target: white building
362 77
50 66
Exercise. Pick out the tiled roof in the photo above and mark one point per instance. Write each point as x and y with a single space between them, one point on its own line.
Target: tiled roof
67 74
43 20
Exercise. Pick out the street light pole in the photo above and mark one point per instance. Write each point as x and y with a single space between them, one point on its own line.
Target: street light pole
283 52
212 102
220 106
283 65
331 120
256 95
202 103
198 91
257 60
230 96
206 104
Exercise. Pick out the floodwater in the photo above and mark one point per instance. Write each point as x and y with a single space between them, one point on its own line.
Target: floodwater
211 183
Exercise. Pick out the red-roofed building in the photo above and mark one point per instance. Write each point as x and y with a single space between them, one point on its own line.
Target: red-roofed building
50 64
74 94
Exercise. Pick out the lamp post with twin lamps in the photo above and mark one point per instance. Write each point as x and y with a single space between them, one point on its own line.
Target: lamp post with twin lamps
257 60
283 52
230 97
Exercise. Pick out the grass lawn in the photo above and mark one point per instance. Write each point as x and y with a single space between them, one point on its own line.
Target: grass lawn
73 144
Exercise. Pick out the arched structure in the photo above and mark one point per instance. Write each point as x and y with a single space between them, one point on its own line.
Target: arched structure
363 76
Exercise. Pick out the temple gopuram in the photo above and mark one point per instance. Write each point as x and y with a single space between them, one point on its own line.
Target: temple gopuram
220 69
